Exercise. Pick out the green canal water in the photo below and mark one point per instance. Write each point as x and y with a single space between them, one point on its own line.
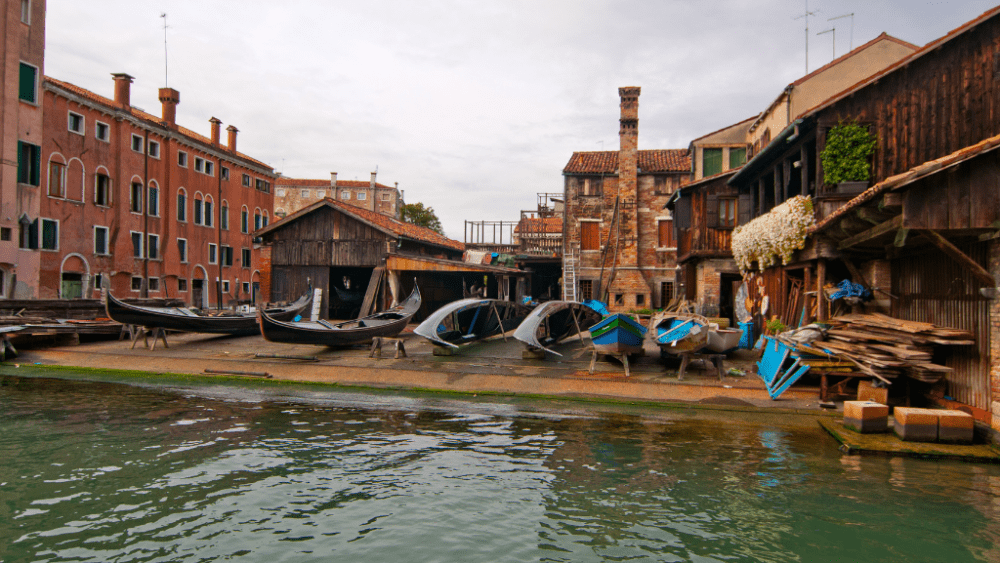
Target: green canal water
193 472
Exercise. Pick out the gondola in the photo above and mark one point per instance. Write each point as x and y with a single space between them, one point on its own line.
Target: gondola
323 333
554 321
470 320
187 320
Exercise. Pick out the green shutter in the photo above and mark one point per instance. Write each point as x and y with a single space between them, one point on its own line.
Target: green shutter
23 158
711 162
27 83
737 157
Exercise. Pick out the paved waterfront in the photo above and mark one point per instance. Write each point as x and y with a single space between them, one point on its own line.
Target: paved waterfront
494 366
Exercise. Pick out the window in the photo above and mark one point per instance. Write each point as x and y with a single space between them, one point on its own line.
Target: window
345 194
246 288
280 192
29 163
666 293
154 284
153 247
181 206
592 186
101 241
137 142
225 286
227 255
136 283
212 251
224 215
386 196
102 190
209 168
27 236
182 284
136 198
586 290
619 299
76 123
245 258
136 244
304 193
264 223
154 149
225 173
665 229
256 219
199 164
590 235
640 299
50 234
711 162
197 209
98 281
362 196
28 84
737 157
246 180
102 131
182 159
244 220
727 212
57 179
321 193
208 213
26 11
154 201
182 249
5 234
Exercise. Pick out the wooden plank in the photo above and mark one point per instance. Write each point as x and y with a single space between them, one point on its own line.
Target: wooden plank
373 285
977 271
887 227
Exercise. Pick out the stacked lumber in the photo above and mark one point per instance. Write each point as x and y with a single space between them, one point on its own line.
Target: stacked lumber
886 348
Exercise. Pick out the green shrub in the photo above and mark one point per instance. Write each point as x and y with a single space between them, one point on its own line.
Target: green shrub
845 158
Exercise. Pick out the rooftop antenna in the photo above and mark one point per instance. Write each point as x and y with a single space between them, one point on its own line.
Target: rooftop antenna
851 15
166 84
806 16
832 30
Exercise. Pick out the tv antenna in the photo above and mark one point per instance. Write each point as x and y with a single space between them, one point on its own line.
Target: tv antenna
166 84
806 16
832 30
851 15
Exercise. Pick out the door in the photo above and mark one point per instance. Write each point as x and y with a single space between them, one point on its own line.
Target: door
72 286
198 294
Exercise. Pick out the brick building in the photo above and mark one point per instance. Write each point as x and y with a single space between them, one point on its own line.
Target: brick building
617 234
21 111
142 205
292 194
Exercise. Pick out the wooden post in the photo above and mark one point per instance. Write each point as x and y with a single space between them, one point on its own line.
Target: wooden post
805 293
820 282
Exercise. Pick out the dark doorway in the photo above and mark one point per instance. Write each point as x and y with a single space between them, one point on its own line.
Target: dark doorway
198 293
730 284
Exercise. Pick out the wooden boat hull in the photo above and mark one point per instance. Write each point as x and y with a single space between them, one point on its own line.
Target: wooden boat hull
554 321
179 319
618 334
677 333
723 340
471 320
388 323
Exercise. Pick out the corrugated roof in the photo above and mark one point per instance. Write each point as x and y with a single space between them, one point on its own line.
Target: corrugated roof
382 222
148 117
306 183
650 161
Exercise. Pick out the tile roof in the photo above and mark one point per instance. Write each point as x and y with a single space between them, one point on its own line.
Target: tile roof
650 161
148 117
882 37
547 225
384 223
307 183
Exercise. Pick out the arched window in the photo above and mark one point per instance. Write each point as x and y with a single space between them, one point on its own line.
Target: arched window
102 187
57 176
245 220
153 199
135 195
199 211
182 205
209 219
256 219
265 218
224 215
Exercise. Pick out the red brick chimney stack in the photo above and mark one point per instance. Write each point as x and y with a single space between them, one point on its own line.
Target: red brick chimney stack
628 134
216 130
231 139
123 88
169 98
333 182
372 183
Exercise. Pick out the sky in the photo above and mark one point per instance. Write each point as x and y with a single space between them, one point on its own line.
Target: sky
471 106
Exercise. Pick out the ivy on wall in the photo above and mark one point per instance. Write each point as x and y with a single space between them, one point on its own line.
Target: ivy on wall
845 158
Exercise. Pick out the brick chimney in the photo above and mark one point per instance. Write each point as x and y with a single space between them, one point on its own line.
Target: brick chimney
372 183
169 98
123 89
333 182
216 129
231 139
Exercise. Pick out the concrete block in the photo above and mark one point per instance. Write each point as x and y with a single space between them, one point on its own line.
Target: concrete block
866 416
915 425
442 351
533 354
867 392
955 427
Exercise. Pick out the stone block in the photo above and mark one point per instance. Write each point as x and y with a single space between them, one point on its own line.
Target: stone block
956 427
915 425
867 392
867 417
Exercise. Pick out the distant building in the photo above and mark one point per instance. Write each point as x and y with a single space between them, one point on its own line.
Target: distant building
292 194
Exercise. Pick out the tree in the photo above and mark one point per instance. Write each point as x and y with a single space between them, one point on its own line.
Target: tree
419 215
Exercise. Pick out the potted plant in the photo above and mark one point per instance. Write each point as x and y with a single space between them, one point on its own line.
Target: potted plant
846 157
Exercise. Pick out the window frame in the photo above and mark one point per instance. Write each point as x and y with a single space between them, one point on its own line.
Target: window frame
732 205
81 128
245 220
136 204
199 164
61 183
140 251
107 190
583 238
153 148
182 250
209 168
42 221
705 161
133 285
153 250
182 285
107 241
26 12
247 181
182 159
29 166
138 143
97 131
245 257
34 85
197 209
224 172
345 195
153 200
224 215
151 286
182 205
670 233
213 253
361 196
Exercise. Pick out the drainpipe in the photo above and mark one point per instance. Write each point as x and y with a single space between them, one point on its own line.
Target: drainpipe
218 226
144 201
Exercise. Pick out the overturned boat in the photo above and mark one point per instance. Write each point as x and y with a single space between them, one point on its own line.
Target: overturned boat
236 323
554 321
677 333
470 320
387 323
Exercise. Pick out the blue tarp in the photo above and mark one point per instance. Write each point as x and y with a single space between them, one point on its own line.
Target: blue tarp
597 306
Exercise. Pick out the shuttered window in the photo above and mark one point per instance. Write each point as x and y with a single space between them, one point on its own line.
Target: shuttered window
666 234
737 157
590 235
28 86
727 212
711 162
29 162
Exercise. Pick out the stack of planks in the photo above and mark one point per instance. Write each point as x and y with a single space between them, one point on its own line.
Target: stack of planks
885 348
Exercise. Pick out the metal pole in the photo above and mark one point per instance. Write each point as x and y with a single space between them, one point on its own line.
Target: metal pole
218 225
144 202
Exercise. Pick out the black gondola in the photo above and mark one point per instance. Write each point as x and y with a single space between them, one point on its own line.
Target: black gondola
387 323
187 320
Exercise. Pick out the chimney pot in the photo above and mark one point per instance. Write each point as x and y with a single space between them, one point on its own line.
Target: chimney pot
231 140
333 182
169 98
123 88
372 184
216 129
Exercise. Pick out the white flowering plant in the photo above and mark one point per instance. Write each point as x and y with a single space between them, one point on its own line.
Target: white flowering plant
779 232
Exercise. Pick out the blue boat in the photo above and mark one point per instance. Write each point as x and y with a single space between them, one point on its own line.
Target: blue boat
617 334
677 333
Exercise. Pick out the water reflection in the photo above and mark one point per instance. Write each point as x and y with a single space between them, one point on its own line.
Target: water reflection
104 472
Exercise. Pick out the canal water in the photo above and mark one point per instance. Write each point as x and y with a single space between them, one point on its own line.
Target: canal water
112 472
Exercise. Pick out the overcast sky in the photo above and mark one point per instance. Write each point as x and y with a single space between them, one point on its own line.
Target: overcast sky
472 106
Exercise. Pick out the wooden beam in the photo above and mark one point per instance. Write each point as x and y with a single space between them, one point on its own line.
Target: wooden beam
953 251
878 230
820 296
892 200
855 273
